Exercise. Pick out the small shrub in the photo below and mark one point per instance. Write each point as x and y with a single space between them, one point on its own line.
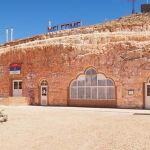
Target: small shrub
3 117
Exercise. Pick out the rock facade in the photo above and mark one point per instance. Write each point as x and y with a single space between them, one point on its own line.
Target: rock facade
119 49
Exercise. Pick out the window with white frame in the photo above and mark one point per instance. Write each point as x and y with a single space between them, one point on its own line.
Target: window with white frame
92 86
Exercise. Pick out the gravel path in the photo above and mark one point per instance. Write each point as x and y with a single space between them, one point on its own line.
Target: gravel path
59 128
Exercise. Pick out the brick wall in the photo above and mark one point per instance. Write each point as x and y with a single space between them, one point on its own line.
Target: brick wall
93 103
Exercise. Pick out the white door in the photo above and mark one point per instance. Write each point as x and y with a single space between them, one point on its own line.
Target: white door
147 95
44 95
17 87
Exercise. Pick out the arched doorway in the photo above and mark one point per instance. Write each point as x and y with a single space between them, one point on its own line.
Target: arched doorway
44 92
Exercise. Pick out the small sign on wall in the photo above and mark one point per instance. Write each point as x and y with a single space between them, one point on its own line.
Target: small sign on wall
131 92
15 69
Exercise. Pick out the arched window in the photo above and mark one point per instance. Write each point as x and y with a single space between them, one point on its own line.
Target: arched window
44 82
148 80
92 86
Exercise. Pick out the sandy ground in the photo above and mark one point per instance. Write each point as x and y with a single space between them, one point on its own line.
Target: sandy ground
60 128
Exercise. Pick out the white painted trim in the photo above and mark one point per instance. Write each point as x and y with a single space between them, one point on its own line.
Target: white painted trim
16 92
147 98
44 98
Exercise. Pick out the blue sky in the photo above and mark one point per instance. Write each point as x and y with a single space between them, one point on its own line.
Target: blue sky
30 17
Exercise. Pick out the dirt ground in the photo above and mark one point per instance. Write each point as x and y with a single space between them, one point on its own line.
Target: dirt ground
60 128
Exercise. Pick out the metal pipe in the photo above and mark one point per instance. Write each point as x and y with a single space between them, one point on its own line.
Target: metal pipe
12 31
6 35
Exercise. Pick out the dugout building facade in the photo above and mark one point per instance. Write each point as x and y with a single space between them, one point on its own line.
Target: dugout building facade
105 65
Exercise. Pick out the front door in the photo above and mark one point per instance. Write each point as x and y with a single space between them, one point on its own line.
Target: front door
17 87
147 95
44 95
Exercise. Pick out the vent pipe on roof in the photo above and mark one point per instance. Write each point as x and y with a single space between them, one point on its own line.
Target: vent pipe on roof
11 36
6 35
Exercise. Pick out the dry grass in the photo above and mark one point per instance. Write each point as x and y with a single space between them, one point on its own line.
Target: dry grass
49 128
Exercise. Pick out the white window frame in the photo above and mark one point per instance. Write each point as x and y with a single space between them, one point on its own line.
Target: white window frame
99 77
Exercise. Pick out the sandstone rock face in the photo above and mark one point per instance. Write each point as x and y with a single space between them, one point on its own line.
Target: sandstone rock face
119 49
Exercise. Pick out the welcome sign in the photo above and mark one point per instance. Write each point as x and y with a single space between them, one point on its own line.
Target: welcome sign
15 69
74 24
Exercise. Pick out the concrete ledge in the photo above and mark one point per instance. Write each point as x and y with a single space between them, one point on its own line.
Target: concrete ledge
93 103
14 101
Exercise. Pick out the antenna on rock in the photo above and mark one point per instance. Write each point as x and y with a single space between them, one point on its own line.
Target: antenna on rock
49 23
133 6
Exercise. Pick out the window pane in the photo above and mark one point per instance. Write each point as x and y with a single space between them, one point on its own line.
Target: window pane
74 83
110 93
148 90
88 93
44 91
94 93
102 82
110 83
81 83
20 85
90 72
88 80
101 77
15 85
81 93
73 93
102 93
94 80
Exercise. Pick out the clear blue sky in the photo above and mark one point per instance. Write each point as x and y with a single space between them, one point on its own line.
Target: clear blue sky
30 17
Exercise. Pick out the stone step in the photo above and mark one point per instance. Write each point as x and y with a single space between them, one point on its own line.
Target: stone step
15 101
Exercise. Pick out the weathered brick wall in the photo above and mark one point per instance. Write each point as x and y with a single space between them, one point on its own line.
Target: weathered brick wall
123 56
